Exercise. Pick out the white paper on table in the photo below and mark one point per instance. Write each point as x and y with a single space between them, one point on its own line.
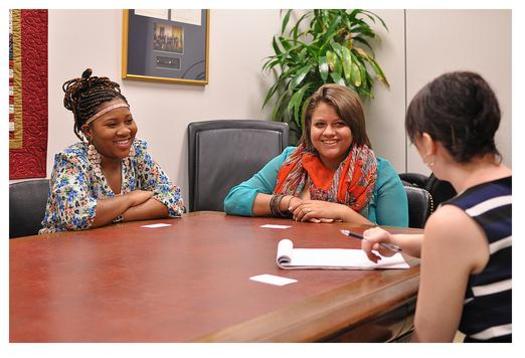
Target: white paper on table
275 226
154 226
332 259
273 280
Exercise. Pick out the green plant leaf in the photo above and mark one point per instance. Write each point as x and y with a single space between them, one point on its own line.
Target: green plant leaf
275 46
327 35
338 66
355 75
270 63
365 79
379 71
294 32
301 74
330 59
337 78
364 30
296 102
286 18
279 111
364 42
322 46
347 63
377 17
270 93
323 68
285 43
338 49
352 15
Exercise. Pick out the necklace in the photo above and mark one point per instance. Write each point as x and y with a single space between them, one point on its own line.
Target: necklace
95 160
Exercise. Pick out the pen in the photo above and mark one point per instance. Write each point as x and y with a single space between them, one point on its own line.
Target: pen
359 236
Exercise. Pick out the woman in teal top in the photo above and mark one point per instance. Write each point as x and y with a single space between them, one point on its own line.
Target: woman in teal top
332 175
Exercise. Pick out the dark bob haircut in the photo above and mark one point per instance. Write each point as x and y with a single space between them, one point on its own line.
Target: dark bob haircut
458 109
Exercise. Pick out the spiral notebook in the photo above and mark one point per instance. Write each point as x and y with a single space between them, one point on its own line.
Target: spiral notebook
290 258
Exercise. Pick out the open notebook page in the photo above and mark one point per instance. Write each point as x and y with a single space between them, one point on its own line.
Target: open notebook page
289 257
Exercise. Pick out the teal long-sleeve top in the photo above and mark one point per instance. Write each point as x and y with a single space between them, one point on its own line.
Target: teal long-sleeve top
388 205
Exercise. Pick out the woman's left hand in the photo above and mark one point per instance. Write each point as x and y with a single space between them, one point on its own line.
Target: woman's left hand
317 211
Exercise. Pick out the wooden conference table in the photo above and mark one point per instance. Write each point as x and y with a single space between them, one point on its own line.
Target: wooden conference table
190 282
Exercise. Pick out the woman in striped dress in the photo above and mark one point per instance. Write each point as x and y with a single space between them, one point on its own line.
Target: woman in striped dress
466 247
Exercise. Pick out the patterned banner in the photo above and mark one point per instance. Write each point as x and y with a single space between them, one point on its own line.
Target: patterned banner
15 77
27 94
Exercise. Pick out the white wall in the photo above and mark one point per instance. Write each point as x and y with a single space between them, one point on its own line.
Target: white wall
385 113
235 91
476 40
437 41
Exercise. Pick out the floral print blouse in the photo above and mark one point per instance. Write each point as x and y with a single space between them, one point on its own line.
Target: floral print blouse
76 184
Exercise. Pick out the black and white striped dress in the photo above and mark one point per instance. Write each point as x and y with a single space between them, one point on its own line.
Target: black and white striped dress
487 312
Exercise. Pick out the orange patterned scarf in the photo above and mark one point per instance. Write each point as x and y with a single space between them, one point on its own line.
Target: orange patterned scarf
351 184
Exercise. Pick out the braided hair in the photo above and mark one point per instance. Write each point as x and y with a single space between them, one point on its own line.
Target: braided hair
83 96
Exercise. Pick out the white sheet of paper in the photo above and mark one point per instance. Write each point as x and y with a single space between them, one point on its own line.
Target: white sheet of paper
154 226
273 226
273 280
335 259
344 257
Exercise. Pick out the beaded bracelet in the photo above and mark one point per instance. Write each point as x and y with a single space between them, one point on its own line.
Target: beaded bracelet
275 206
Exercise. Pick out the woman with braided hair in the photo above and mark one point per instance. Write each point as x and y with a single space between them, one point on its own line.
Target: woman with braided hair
109 176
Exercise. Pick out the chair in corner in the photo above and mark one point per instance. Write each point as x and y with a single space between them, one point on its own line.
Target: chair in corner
27 206
440 190
420 206
414 179
223 153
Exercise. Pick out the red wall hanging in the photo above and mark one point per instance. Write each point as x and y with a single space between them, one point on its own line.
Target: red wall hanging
27 94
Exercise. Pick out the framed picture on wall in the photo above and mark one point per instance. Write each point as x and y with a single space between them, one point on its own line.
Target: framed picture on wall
167 45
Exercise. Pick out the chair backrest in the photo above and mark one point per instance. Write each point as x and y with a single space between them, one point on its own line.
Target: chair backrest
27 206
420 206
415 179
223 153
440 190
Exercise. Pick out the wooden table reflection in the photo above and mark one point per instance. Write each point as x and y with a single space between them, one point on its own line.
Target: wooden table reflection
190 282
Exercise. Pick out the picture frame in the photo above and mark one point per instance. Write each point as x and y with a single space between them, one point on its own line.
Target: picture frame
166 45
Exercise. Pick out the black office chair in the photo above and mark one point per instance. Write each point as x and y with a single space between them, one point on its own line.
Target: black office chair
223 153
414 179
27 206
420 206
440 190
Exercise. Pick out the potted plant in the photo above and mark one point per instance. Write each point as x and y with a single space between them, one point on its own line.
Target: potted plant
323 46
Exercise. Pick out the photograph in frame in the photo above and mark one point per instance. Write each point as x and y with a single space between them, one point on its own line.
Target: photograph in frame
166 45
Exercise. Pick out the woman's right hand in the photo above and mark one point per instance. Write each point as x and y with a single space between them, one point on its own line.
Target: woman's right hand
371 240
295 202
138 197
